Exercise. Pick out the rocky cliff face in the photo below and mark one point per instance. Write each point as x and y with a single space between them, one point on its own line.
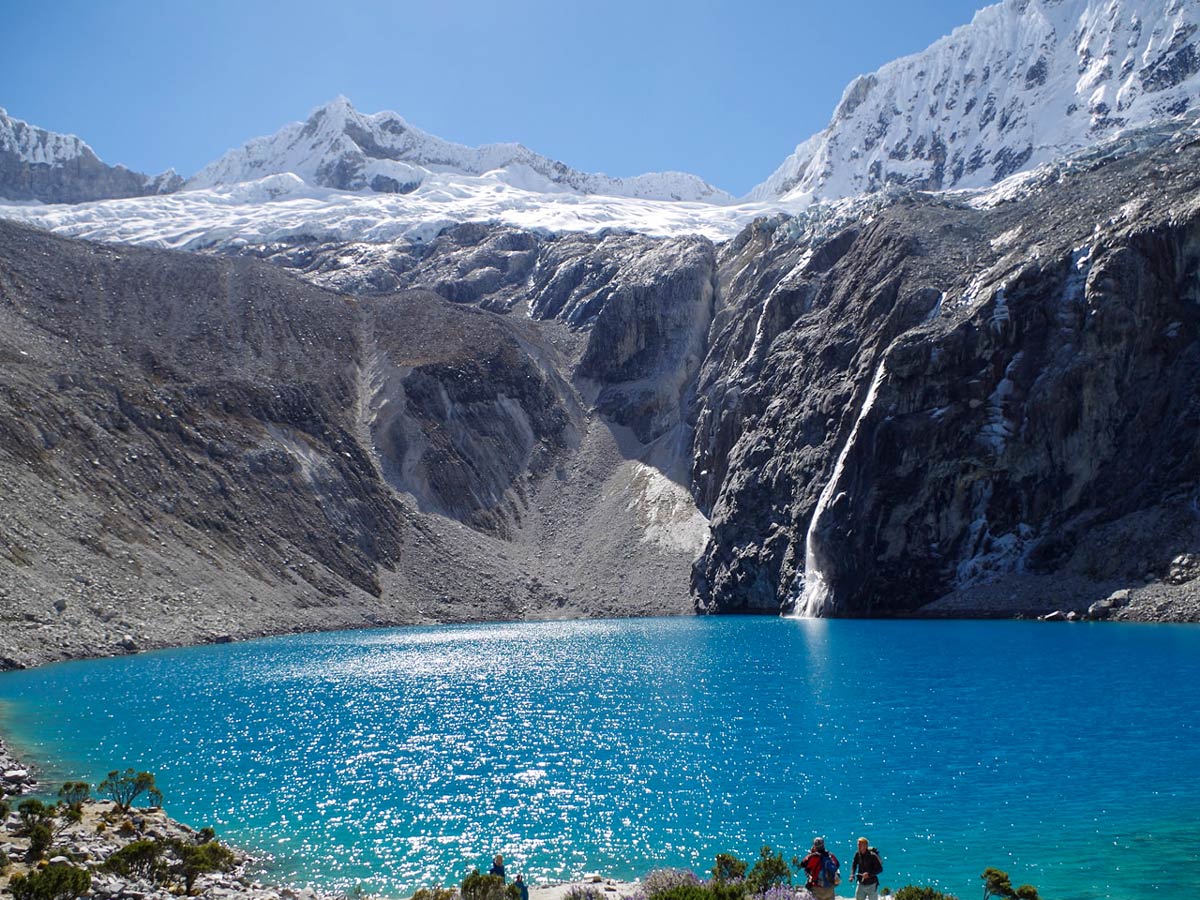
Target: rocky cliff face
946 396
195 447
638 308
36 164
887 402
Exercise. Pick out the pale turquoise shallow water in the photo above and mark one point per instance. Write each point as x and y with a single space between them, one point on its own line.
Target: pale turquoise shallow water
1067 754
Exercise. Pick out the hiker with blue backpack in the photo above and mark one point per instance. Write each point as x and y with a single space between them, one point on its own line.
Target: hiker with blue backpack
821 866
866 868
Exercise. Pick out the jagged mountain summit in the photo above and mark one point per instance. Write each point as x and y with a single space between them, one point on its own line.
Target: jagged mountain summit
36 164
1025 83
339 147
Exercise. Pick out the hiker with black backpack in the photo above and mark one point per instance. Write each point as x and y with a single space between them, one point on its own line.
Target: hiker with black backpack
821 866
865 869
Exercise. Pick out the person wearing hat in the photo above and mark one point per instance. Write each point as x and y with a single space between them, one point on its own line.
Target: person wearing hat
821 867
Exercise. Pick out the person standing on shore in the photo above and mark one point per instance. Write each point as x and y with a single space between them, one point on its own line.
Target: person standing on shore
498 867
821 866
865 869
519 881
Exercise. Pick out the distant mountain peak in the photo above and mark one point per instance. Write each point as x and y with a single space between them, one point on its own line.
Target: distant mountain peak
36 164
37 145
339 147
1026 82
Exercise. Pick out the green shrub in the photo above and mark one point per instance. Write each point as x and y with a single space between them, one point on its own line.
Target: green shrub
52 883
482 887
73 793
435 893
912 892
512 892
40 839
197 859
728 868
33 813
139 859
125 787
5 809
582 892
769 870
996 883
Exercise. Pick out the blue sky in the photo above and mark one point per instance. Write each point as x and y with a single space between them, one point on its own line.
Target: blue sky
722 89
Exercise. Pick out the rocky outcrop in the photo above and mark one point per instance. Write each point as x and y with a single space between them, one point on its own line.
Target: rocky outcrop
204 449
36 164
639 307
102 831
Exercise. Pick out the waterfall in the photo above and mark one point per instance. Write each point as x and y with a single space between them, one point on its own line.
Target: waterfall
813 599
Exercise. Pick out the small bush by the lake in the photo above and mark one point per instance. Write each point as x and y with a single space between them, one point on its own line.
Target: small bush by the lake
404 758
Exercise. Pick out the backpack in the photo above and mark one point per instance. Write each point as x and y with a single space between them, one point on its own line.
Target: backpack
874 856
828 875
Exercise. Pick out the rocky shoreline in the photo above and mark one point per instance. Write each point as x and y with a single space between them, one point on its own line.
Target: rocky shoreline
103 831
1170 597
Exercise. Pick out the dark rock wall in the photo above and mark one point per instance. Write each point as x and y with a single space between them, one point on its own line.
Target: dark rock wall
462 418
963 394
78 180
168 419
641 306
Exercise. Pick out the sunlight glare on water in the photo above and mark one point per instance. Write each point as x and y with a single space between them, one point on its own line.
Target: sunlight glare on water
402 758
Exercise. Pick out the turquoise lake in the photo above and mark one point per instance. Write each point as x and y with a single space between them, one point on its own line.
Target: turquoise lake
1068 755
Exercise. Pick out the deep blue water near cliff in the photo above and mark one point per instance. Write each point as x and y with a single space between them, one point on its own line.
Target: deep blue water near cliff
1067 754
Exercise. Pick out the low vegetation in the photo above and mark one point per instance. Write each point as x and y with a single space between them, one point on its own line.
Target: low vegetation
125 787
56 882
483 887
913 892
771 878
173 863
996 883
435 893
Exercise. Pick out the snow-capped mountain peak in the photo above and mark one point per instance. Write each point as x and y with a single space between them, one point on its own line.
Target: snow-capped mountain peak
31 144
342 148
1026 82
36 164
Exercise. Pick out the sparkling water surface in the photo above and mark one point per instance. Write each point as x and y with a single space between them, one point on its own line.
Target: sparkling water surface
1066 754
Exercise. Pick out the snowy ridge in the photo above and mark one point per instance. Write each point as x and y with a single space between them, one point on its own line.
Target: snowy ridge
278 207
36 164
339 147
36 145
1025 83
